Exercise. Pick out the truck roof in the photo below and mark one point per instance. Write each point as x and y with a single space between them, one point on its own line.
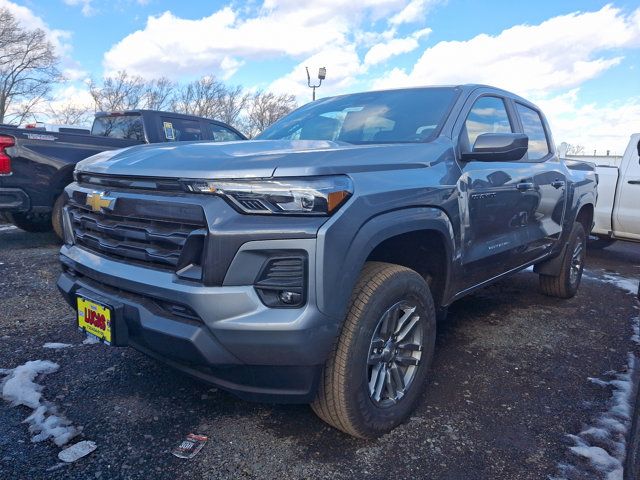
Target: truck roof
143 111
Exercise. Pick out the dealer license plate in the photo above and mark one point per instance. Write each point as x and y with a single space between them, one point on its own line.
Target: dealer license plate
95 319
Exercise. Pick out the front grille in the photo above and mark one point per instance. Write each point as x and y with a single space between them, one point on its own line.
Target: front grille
144 240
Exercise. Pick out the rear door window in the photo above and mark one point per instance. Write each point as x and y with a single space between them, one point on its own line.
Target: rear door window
181 130
488 115
128 127
534 129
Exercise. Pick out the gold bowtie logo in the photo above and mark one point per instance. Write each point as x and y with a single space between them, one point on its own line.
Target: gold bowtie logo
97 201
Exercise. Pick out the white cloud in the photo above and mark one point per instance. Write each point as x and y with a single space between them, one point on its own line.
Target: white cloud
87 8
383 51
415 11
177 47
560 53
343 68
598 127
74 74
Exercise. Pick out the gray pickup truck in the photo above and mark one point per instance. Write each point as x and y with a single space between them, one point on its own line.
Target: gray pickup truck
310 265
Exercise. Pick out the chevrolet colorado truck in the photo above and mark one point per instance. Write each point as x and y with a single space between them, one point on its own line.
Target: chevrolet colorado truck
36 164
310 265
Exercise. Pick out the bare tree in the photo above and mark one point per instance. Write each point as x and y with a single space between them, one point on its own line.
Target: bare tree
200 97
28 68
208 97
159 94
119 92
575 149
232 103
69 114
264 108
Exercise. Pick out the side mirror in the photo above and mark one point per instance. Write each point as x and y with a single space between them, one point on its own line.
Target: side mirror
498 147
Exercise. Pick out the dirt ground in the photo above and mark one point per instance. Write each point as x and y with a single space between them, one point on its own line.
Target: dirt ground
508 383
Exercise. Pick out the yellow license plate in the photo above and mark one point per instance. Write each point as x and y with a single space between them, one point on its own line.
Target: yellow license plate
95 319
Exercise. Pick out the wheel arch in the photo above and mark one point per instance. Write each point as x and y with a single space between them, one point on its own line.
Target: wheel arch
378 239
60 180
585 216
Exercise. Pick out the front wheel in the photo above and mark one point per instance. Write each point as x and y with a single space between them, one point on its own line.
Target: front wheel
566 283
56 215
378 367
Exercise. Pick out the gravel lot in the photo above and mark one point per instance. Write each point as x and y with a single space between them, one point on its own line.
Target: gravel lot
508 383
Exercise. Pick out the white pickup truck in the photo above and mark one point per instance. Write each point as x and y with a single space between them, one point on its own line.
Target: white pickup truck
617 212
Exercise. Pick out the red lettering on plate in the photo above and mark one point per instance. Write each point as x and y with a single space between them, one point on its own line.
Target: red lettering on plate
95 319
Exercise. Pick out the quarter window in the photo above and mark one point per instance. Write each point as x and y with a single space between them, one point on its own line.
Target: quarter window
221 134
181 130
488 115
533 128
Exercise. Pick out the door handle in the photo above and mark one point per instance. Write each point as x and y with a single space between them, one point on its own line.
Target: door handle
557 184
634 182
524 186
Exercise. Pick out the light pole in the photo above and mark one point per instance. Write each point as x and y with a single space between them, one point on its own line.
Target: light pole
322 74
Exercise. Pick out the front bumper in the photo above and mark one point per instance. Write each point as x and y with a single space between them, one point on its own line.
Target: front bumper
236 342
14 200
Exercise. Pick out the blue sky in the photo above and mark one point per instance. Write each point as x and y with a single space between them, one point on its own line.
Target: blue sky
580 60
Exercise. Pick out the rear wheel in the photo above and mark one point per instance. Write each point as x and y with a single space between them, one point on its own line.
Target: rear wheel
31 222
566 283
377 370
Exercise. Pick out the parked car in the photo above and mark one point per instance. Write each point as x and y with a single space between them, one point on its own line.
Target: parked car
617 213
309 265
36 164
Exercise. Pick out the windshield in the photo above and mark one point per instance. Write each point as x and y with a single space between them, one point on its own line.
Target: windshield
119 126
410 115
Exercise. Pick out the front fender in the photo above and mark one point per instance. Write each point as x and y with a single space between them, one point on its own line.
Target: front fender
342 250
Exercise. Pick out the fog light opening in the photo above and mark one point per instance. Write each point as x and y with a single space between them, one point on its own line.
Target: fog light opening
289 298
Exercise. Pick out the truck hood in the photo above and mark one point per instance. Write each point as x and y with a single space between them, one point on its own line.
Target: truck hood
262 158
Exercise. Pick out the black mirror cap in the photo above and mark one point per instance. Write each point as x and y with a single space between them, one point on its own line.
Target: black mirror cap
498 147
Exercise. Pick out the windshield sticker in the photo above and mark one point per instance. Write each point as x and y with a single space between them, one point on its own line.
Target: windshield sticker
169 132
40 136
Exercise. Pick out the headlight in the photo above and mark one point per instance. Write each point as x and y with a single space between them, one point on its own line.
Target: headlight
309 196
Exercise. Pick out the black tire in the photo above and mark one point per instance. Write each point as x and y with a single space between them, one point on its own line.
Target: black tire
56 215
599 242
31 222
344 399
566 284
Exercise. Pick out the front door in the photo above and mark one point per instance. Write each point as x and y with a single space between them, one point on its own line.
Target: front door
547 198
628 208
494 209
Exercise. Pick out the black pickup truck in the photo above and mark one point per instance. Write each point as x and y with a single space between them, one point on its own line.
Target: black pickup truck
36 165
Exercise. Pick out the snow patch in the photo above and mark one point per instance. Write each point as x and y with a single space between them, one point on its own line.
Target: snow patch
91 340
603 444
19 388
56 346
7 227
627 284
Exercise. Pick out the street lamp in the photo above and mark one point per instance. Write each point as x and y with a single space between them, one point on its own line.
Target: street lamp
322 74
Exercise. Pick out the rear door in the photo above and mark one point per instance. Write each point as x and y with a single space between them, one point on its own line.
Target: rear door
627 204
545 201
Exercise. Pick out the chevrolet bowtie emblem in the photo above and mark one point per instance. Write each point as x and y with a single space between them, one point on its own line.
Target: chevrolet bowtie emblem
97 201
